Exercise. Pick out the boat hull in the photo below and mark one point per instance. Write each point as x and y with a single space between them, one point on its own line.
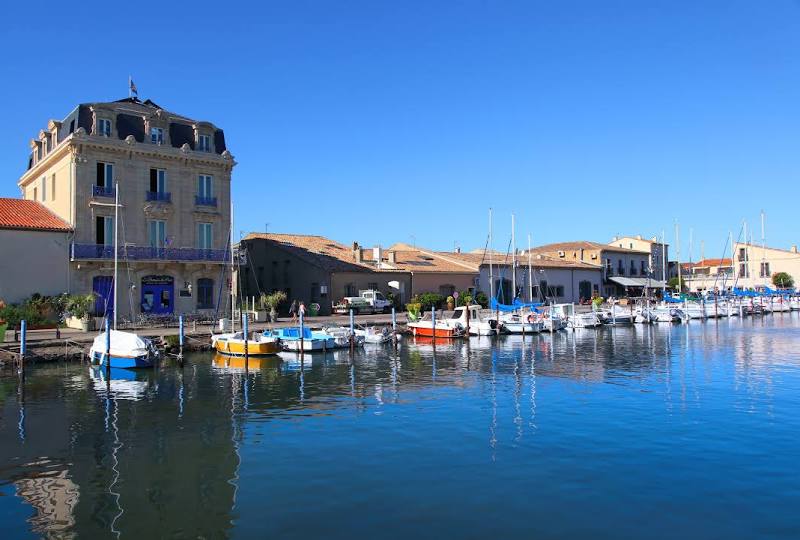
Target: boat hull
123 362
254 348
428 331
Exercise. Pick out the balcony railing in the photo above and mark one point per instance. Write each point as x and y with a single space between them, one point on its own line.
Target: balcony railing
205 201
102 191
160 196
147 253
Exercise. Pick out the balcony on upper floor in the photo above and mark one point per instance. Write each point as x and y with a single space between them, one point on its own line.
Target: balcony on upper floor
159 196
132 252
103 191
200 200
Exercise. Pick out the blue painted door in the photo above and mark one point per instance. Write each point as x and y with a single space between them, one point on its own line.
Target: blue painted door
102 286
158 295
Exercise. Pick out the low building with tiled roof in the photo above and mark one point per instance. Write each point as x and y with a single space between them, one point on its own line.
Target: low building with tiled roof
34 251
317 270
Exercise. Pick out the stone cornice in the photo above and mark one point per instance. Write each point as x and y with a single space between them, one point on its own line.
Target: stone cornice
79 140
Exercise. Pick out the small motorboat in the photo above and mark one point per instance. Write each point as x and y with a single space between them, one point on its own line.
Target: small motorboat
522 323
341 336
374 335
234 344
295 339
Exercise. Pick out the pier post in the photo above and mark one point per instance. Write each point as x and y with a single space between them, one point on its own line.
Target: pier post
245 332
302 331
394 326
180 339
352 331
108 347
466 307
23 343
433 324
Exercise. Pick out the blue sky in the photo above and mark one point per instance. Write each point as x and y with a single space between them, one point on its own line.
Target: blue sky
384 121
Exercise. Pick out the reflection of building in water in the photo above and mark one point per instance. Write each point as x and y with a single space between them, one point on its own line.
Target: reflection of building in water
54 497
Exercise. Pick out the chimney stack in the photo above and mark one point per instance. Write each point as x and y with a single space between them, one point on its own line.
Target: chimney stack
357 252
638 236
794 249
377 255
392 257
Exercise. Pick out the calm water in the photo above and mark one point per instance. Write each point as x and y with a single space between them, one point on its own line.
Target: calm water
686 431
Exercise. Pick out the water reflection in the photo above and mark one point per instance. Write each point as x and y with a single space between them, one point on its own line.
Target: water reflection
184 452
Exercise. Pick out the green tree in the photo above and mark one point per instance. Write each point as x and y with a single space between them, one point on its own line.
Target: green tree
673 283
782 280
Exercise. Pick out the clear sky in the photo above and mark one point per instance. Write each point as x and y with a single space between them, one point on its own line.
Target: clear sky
385 121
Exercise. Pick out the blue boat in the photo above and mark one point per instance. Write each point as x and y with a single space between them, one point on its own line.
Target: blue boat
123 350
290 339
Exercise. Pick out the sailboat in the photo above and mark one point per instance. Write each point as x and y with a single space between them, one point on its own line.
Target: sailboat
116 348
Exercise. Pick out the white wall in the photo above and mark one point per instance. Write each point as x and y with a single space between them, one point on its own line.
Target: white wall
33 262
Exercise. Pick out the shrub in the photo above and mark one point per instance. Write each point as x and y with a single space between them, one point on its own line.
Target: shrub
413 310
428 301
782 280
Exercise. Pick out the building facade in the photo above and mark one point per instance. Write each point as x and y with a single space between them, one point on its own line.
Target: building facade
659 252
622 267
752 267
172 175
34 251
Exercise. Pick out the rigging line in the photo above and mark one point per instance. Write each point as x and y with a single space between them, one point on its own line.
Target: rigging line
128 271
222 273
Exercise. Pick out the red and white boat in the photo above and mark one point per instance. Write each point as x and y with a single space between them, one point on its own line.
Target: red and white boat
455 326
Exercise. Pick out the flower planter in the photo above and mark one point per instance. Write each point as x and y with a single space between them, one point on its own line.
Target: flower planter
84 325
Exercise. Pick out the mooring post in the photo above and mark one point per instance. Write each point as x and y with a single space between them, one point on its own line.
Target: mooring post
302 331
23 344
180 339
433 323
394 326
352 330
108 347
246 336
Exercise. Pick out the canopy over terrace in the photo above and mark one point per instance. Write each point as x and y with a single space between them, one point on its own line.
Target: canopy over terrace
638 282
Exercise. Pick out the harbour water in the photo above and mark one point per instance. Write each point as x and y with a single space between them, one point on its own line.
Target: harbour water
684 431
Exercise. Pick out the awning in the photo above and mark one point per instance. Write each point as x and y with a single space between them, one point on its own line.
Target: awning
638 282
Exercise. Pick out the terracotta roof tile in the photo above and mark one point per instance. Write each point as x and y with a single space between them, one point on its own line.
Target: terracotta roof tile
29 215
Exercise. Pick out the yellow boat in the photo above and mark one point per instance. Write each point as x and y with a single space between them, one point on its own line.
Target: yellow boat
234 345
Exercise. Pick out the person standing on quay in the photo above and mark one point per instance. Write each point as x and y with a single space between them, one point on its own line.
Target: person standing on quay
293 311
302 309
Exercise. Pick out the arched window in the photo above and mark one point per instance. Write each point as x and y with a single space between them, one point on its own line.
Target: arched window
205 293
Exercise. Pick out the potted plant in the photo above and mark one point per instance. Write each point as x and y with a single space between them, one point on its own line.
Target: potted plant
79 307
272 301
451 303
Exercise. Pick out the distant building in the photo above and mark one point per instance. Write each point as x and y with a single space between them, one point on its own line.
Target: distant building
659 252
315 269
751 268
550 280
174 177
624 269
34 251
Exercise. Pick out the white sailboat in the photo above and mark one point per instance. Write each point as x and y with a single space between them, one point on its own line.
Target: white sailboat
114 348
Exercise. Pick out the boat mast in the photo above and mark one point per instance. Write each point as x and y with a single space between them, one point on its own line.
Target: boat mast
513 262
530 274
678 253
664 265
491 270
233 294
116 248
763 269
746 249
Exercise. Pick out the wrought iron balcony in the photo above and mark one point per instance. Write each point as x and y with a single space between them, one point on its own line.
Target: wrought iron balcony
147 253
160 196
102 191
205 201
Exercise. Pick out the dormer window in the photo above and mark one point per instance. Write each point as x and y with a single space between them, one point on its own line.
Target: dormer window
204 143
104 127
157 135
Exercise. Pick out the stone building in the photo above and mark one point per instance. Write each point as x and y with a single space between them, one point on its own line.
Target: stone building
659 252
173 177
751 268
624 269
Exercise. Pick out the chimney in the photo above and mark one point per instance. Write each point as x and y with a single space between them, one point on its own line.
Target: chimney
615 239
794 249
357 252
638 236
392 256
377 255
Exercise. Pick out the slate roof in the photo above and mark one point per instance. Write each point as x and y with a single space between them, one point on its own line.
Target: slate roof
23 214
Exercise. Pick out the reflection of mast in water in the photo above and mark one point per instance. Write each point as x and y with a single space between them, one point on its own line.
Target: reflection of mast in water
518 391
302 382
493 425
532 421
115 461
236 435
180 394
21 402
